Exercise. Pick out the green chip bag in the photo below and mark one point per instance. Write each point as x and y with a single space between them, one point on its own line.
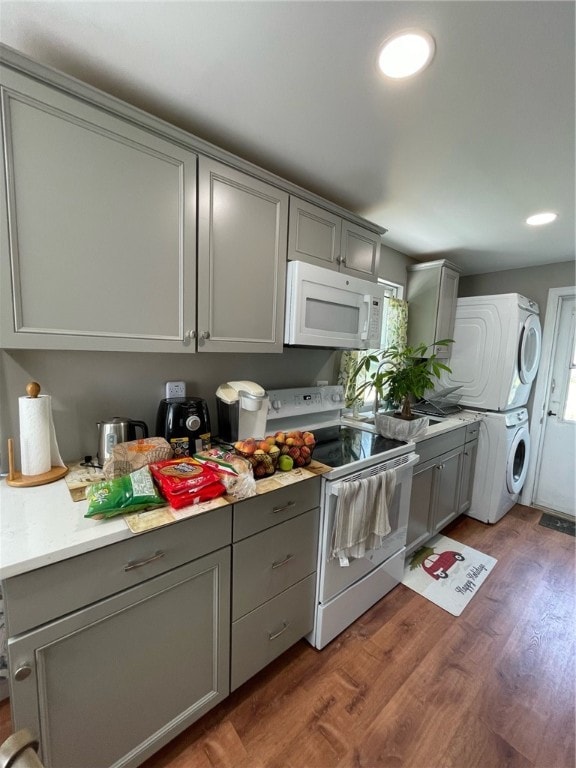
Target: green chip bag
129 493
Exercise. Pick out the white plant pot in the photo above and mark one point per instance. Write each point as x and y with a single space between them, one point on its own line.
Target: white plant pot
389 425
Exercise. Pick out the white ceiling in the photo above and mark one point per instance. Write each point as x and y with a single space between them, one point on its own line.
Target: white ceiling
450 162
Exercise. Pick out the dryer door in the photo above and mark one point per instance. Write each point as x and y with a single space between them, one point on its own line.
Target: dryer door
518 458
529 349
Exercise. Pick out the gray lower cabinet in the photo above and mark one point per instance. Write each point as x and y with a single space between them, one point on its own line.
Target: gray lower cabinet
441 483
98 227
274 558
110 683
242 231
323 238
468 467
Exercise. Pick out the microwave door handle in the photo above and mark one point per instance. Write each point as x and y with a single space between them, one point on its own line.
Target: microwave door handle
367 301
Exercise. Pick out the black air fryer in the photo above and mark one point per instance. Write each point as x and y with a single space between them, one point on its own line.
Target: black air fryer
185 423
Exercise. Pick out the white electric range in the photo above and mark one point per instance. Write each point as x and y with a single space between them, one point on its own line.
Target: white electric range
345 592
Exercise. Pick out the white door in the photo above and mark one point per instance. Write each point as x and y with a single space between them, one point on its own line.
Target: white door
555 484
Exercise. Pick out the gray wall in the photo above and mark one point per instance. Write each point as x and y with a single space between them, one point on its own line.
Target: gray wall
532 282
89 386
393 265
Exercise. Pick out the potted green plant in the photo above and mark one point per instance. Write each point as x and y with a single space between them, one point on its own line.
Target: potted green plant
399 376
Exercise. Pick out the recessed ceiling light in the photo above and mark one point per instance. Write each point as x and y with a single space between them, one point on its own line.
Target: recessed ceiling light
406 53
538 219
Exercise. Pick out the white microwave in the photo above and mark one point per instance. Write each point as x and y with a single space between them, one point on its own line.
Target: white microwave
325 308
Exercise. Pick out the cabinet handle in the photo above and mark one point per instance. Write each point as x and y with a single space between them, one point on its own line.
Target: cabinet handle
290 504
23 672
140 563
191 335
205 335
274 635
280 563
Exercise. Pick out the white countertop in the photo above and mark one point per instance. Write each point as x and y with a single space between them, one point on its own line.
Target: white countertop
446 424
42 525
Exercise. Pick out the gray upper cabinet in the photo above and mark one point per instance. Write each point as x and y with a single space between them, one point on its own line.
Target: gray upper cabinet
360 251
321 237
98 227
314 234
432 293
242 235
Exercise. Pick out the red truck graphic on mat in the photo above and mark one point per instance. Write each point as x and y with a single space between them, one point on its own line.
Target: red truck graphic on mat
438 565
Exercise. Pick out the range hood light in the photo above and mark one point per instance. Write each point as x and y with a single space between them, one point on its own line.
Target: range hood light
406 53
538 219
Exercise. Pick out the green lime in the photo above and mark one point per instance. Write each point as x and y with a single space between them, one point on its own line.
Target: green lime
285 463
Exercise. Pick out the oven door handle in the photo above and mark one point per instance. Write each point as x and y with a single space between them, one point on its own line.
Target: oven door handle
412 461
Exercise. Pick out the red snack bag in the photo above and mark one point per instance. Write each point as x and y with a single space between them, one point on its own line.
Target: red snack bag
185 481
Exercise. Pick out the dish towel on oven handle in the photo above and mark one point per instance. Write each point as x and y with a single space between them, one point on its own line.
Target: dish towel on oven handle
361 521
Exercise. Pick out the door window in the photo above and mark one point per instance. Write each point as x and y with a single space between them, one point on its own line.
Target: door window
570 401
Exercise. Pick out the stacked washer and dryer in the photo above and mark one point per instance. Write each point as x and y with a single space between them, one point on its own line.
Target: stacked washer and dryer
494 360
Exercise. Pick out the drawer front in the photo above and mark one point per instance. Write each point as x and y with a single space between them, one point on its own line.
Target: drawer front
262 635
271 561
38 596
261 512
472 431
435 446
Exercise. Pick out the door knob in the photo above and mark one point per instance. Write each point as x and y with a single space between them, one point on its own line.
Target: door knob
551 413
23 672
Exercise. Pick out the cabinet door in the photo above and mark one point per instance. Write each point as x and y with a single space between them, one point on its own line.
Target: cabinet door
110 684
99 222
241 261
313 234
467 479
432 294
446 316
447 478
360 251
421 500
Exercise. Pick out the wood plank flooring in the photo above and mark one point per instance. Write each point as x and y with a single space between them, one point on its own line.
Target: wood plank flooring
411 685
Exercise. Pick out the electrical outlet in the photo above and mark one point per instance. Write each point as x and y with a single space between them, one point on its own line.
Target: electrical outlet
175 389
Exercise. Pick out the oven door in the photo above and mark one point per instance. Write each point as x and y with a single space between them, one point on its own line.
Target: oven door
334 578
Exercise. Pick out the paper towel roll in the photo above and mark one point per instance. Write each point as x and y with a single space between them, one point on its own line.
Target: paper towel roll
38 447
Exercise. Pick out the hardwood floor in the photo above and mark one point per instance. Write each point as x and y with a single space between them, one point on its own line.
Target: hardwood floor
410 685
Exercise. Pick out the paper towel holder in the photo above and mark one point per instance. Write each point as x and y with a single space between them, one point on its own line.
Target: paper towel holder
19 480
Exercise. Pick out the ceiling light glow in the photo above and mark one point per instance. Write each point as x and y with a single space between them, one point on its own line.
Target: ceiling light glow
406 53
538 219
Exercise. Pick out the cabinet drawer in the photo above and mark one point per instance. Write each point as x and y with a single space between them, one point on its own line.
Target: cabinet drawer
262 635
261 512
435 446
472 431
271 561
34 598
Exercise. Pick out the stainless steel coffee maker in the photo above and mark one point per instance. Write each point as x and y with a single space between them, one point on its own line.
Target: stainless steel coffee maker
117 430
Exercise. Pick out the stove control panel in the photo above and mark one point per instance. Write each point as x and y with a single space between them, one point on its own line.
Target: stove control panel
305 402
